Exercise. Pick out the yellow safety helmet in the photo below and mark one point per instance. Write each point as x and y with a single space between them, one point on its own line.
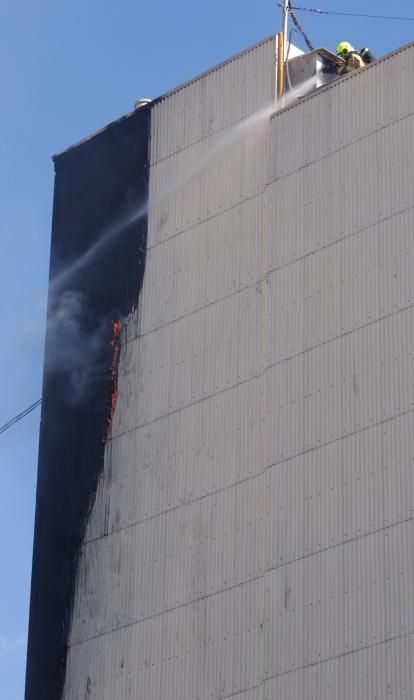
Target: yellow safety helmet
344 48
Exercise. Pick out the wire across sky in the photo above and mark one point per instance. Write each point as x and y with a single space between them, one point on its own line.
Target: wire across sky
19 416
351 14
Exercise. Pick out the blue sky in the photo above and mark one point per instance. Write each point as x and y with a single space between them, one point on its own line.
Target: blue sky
67 69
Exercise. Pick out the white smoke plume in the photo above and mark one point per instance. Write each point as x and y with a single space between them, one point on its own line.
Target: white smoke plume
74 345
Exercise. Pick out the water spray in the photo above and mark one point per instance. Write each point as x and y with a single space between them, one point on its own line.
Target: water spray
283 99
109 232
231 137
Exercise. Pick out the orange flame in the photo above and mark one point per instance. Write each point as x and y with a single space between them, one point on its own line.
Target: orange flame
116 347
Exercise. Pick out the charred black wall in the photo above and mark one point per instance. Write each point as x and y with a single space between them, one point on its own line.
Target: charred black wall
97 184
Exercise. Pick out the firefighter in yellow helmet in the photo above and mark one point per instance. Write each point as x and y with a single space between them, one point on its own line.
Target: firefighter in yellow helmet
352 59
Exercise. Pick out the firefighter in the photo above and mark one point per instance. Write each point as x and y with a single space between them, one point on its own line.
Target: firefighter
367 56
353 59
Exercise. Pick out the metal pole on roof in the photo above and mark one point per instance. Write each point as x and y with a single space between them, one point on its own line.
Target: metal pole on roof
285 16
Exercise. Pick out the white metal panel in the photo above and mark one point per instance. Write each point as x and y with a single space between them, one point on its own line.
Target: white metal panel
203 264
233 361
341 491
340 600
192 359
208 178
368 674
341 387
169 561
202 449
337 197
347 112
207 647
214 101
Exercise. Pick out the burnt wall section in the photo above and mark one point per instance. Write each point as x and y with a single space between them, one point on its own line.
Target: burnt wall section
99 184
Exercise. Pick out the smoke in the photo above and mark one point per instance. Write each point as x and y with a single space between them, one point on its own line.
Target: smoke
74 341
75 345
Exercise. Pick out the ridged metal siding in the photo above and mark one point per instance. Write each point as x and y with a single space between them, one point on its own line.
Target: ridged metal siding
253 532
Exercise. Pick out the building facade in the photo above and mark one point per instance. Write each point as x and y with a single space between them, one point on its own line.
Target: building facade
248 526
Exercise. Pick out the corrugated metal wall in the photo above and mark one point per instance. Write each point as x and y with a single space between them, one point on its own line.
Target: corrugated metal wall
253 533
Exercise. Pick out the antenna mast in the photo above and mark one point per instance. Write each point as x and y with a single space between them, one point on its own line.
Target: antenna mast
285 15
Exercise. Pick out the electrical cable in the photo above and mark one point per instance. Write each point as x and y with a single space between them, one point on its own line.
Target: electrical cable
19 416
287 63
351 14
300 28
